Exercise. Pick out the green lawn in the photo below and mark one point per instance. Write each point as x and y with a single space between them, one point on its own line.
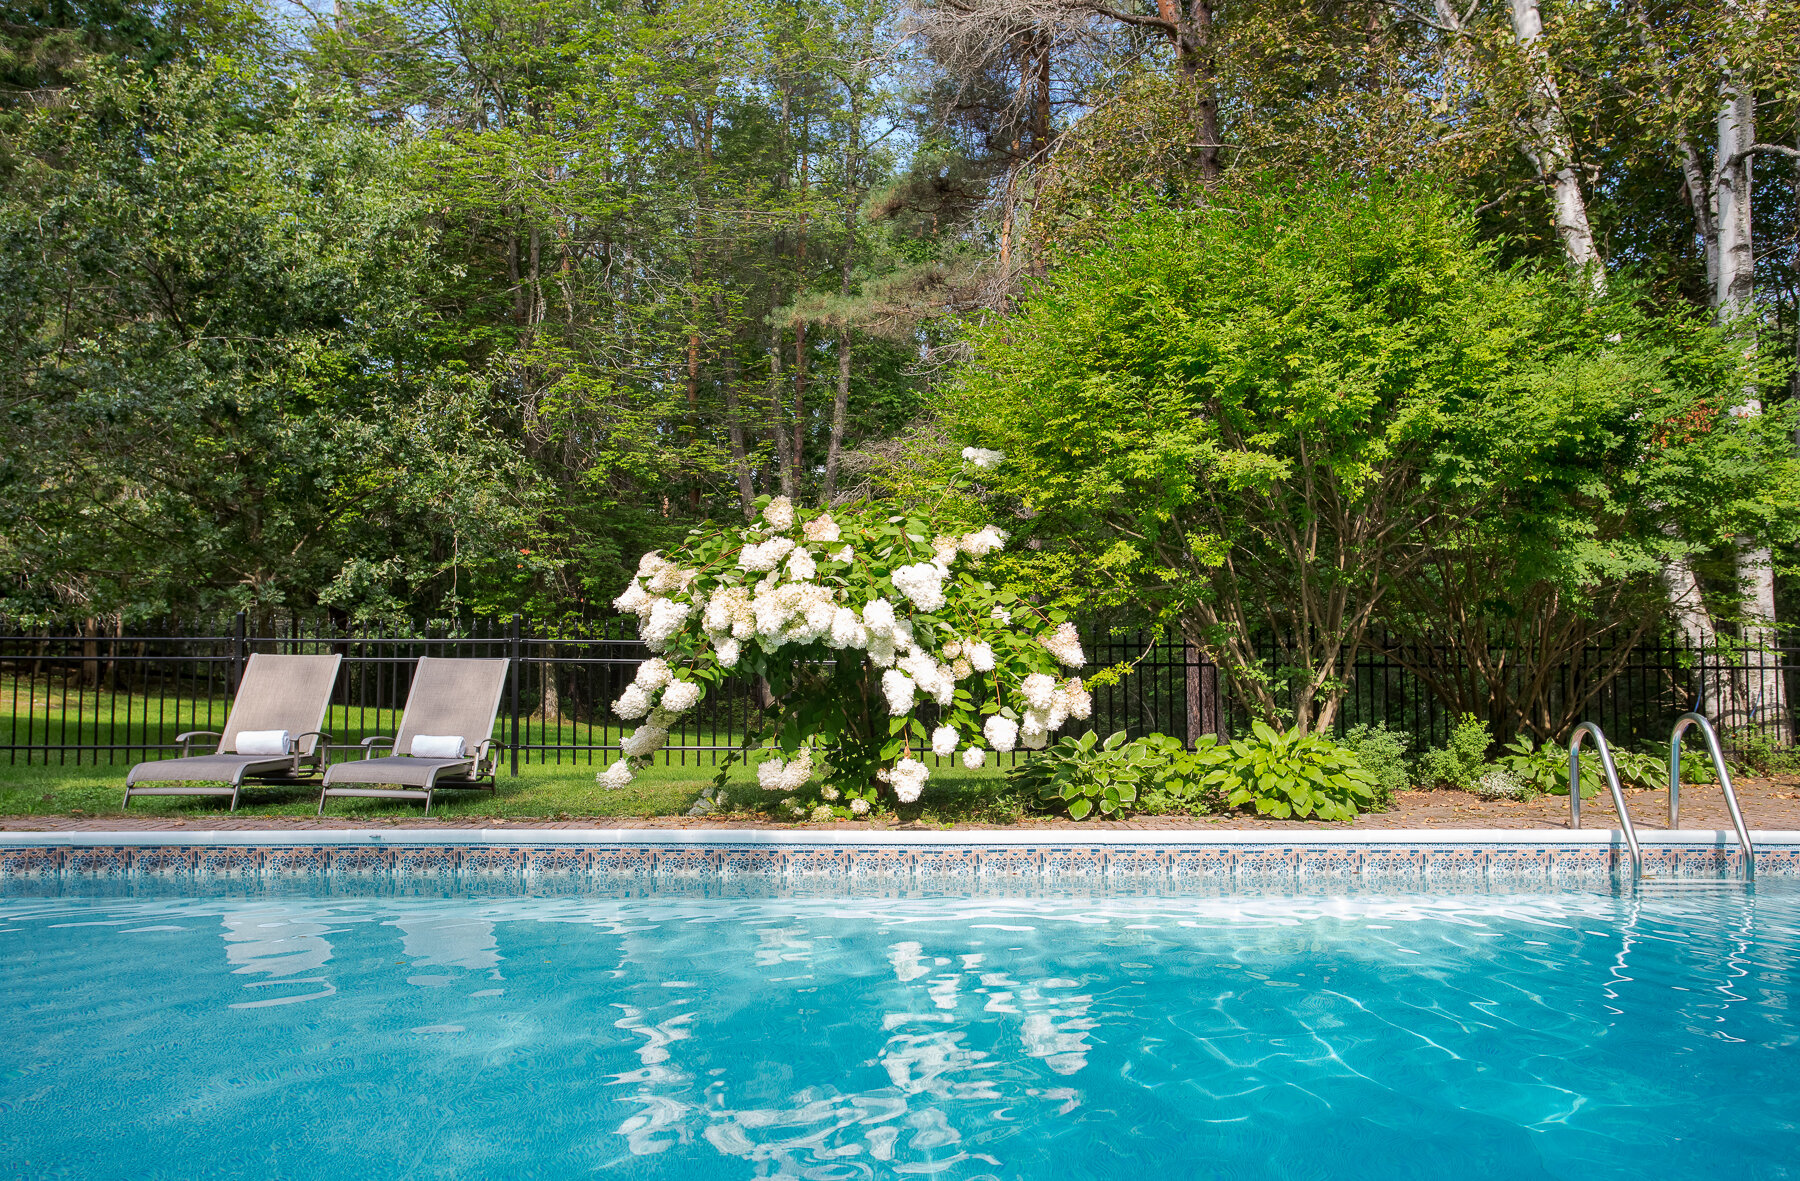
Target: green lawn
539 792
44 713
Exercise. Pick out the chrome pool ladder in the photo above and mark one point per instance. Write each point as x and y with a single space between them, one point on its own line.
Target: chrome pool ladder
1612 782
1718 761
1618 793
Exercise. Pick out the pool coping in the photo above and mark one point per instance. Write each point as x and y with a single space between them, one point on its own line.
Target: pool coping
939 838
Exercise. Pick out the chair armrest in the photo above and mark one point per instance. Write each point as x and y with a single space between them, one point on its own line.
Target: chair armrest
324 747
187 739
379 739
483 749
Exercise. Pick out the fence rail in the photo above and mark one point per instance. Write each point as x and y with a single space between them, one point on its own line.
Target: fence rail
121 699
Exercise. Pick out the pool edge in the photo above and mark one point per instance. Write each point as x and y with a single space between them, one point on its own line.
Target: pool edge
936 838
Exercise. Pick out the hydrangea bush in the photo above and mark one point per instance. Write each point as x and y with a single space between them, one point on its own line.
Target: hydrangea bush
877 635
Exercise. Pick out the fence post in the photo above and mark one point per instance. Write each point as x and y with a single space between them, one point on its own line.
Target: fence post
239 644
515 653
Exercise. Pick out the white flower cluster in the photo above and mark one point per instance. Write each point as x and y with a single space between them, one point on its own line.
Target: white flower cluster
982 542
1065 644
655 692
936 681
779 516
783 585
776 775
644 741
922 584
654 677
1048 706
983 457
766 556
908 778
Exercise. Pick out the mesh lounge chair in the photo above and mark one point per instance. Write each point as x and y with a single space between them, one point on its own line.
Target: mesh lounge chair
288 693
450 698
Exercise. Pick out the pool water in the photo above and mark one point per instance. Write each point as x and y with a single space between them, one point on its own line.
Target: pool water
1482 1036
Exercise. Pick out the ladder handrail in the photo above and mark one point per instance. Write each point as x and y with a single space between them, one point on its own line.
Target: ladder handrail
1612 781
1692 718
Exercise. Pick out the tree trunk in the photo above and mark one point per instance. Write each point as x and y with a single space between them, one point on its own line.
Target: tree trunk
90 649
693 390
1716 697
1764 702
734 414
1193 43
551 711
798 454
797 451
1549 146
513 278
840 409
1734 281
784 456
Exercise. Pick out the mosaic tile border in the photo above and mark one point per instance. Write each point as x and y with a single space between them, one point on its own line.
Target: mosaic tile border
1303 866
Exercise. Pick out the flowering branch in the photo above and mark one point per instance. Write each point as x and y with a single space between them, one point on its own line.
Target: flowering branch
915 635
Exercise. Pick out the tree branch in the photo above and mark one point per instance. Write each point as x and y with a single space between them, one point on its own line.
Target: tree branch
1131 18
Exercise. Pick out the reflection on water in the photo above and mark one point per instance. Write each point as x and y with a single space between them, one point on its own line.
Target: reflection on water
954 1038
925 1058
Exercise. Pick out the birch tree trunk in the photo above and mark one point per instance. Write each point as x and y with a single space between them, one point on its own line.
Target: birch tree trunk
1546 142
1549 146
1764 700
1718 697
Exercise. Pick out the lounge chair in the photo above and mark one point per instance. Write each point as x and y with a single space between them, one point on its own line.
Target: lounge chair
281 702
453 703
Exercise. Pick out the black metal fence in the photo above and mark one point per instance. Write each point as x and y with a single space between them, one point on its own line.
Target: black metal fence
123 699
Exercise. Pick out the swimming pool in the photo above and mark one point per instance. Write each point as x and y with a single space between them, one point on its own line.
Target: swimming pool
310 1033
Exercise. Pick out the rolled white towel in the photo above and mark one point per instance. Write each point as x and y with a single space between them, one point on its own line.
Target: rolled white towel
264 742
438 746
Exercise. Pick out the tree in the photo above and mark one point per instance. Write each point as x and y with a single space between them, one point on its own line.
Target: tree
1257 417
216 394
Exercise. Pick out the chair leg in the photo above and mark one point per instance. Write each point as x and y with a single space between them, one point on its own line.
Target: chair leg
321 811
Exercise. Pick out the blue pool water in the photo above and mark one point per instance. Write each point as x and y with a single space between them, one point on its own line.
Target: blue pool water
1483 1036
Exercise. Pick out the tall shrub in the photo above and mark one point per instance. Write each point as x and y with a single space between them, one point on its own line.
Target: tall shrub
1255 417
876 633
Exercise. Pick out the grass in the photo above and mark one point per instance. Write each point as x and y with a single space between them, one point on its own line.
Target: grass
56 712
42 713
540 792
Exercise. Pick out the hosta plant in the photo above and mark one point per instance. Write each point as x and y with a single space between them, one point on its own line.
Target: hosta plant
1085 776
876 633
1295 774
1545 769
